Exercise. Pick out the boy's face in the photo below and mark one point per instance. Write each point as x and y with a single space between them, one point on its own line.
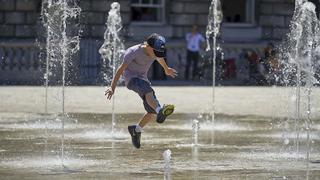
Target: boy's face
150 51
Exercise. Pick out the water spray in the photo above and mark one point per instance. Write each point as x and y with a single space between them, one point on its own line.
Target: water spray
112 49
213 28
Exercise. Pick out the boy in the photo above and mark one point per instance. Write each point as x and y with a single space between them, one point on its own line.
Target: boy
136 63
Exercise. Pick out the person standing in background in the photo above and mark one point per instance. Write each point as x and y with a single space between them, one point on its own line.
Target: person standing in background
194 40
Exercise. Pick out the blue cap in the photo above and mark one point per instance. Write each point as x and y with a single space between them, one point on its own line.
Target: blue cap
158 44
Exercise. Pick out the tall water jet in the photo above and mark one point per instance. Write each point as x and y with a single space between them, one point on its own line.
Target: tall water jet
214 20
195 131
300 61
316 78
46 5
167 168
302 44
60 45
298 32
112 49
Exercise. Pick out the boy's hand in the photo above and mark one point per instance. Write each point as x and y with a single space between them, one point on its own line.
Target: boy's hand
171 72
109 92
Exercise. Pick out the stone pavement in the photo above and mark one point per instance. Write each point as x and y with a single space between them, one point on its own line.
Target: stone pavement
262 101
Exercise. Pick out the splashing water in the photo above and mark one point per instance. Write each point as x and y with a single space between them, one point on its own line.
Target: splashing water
213 28
112 48
195 131
60 45
299 62
167 168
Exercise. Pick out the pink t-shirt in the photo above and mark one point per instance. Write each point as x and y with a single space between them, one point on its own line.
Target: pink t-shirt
138 63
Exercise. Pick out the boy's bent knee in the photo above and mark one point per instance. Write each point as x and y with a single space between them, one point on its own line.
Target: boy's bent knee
152 96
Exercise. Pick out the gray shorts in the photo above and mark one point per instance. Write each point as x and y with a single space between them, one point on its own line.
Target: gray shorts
142 87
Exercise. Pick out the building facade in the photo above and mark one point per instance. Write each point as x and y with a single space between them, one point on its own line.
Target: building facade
248 25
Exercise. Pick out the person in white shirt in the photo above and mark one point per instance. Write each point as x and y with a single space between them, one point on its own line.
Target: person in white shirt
194 40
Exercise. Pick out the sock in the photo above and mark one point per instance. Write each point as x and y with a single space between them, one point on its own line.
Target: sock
158 109
138 128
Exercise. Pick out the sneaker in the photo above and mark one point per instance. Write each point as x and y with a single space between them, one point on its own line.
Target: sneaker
135 136
165 111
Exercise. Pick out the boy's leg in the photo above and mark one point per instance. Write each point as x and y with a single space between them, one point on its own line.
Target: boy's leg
152 101
152 106
146 119
135 130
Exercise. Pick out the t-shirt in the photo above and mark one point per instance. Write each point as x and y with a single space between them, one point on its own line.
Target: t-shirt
193 41
138 63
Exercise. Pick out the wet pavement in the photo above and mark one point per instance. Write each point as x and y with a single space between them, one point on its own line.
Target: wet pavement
235 147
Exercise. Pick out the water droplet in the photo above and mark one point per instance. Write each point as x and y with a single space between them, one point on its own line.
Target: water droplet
286 141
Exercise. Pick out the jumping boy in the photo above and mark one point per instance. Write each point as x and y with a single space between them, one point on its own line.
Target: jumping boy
136 63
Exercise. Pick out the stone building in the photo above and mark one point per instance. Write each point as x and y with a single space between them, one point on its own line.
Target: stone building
247 25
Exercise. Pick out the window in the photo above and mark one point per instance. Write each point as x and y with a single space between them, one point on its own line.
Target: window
147 11
239 12
239 21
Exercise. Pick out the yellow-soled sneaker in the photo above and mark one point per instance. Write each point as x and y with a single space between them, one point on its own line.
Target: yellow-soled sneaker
165 111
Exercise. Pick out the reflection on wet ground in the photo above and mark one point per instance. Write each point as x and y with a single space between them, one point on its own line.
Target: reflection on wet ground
236 147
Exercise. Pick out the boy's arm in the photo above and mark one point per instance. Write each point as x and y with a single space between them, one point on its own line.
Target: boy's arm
169 71
110 91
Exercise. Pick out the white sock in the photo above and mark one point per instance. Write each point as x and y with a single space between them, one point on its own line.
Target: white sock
138 128
158 109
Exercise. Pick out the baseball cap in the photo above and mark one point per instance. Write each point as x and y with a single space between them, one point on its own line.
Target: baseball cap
158 44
